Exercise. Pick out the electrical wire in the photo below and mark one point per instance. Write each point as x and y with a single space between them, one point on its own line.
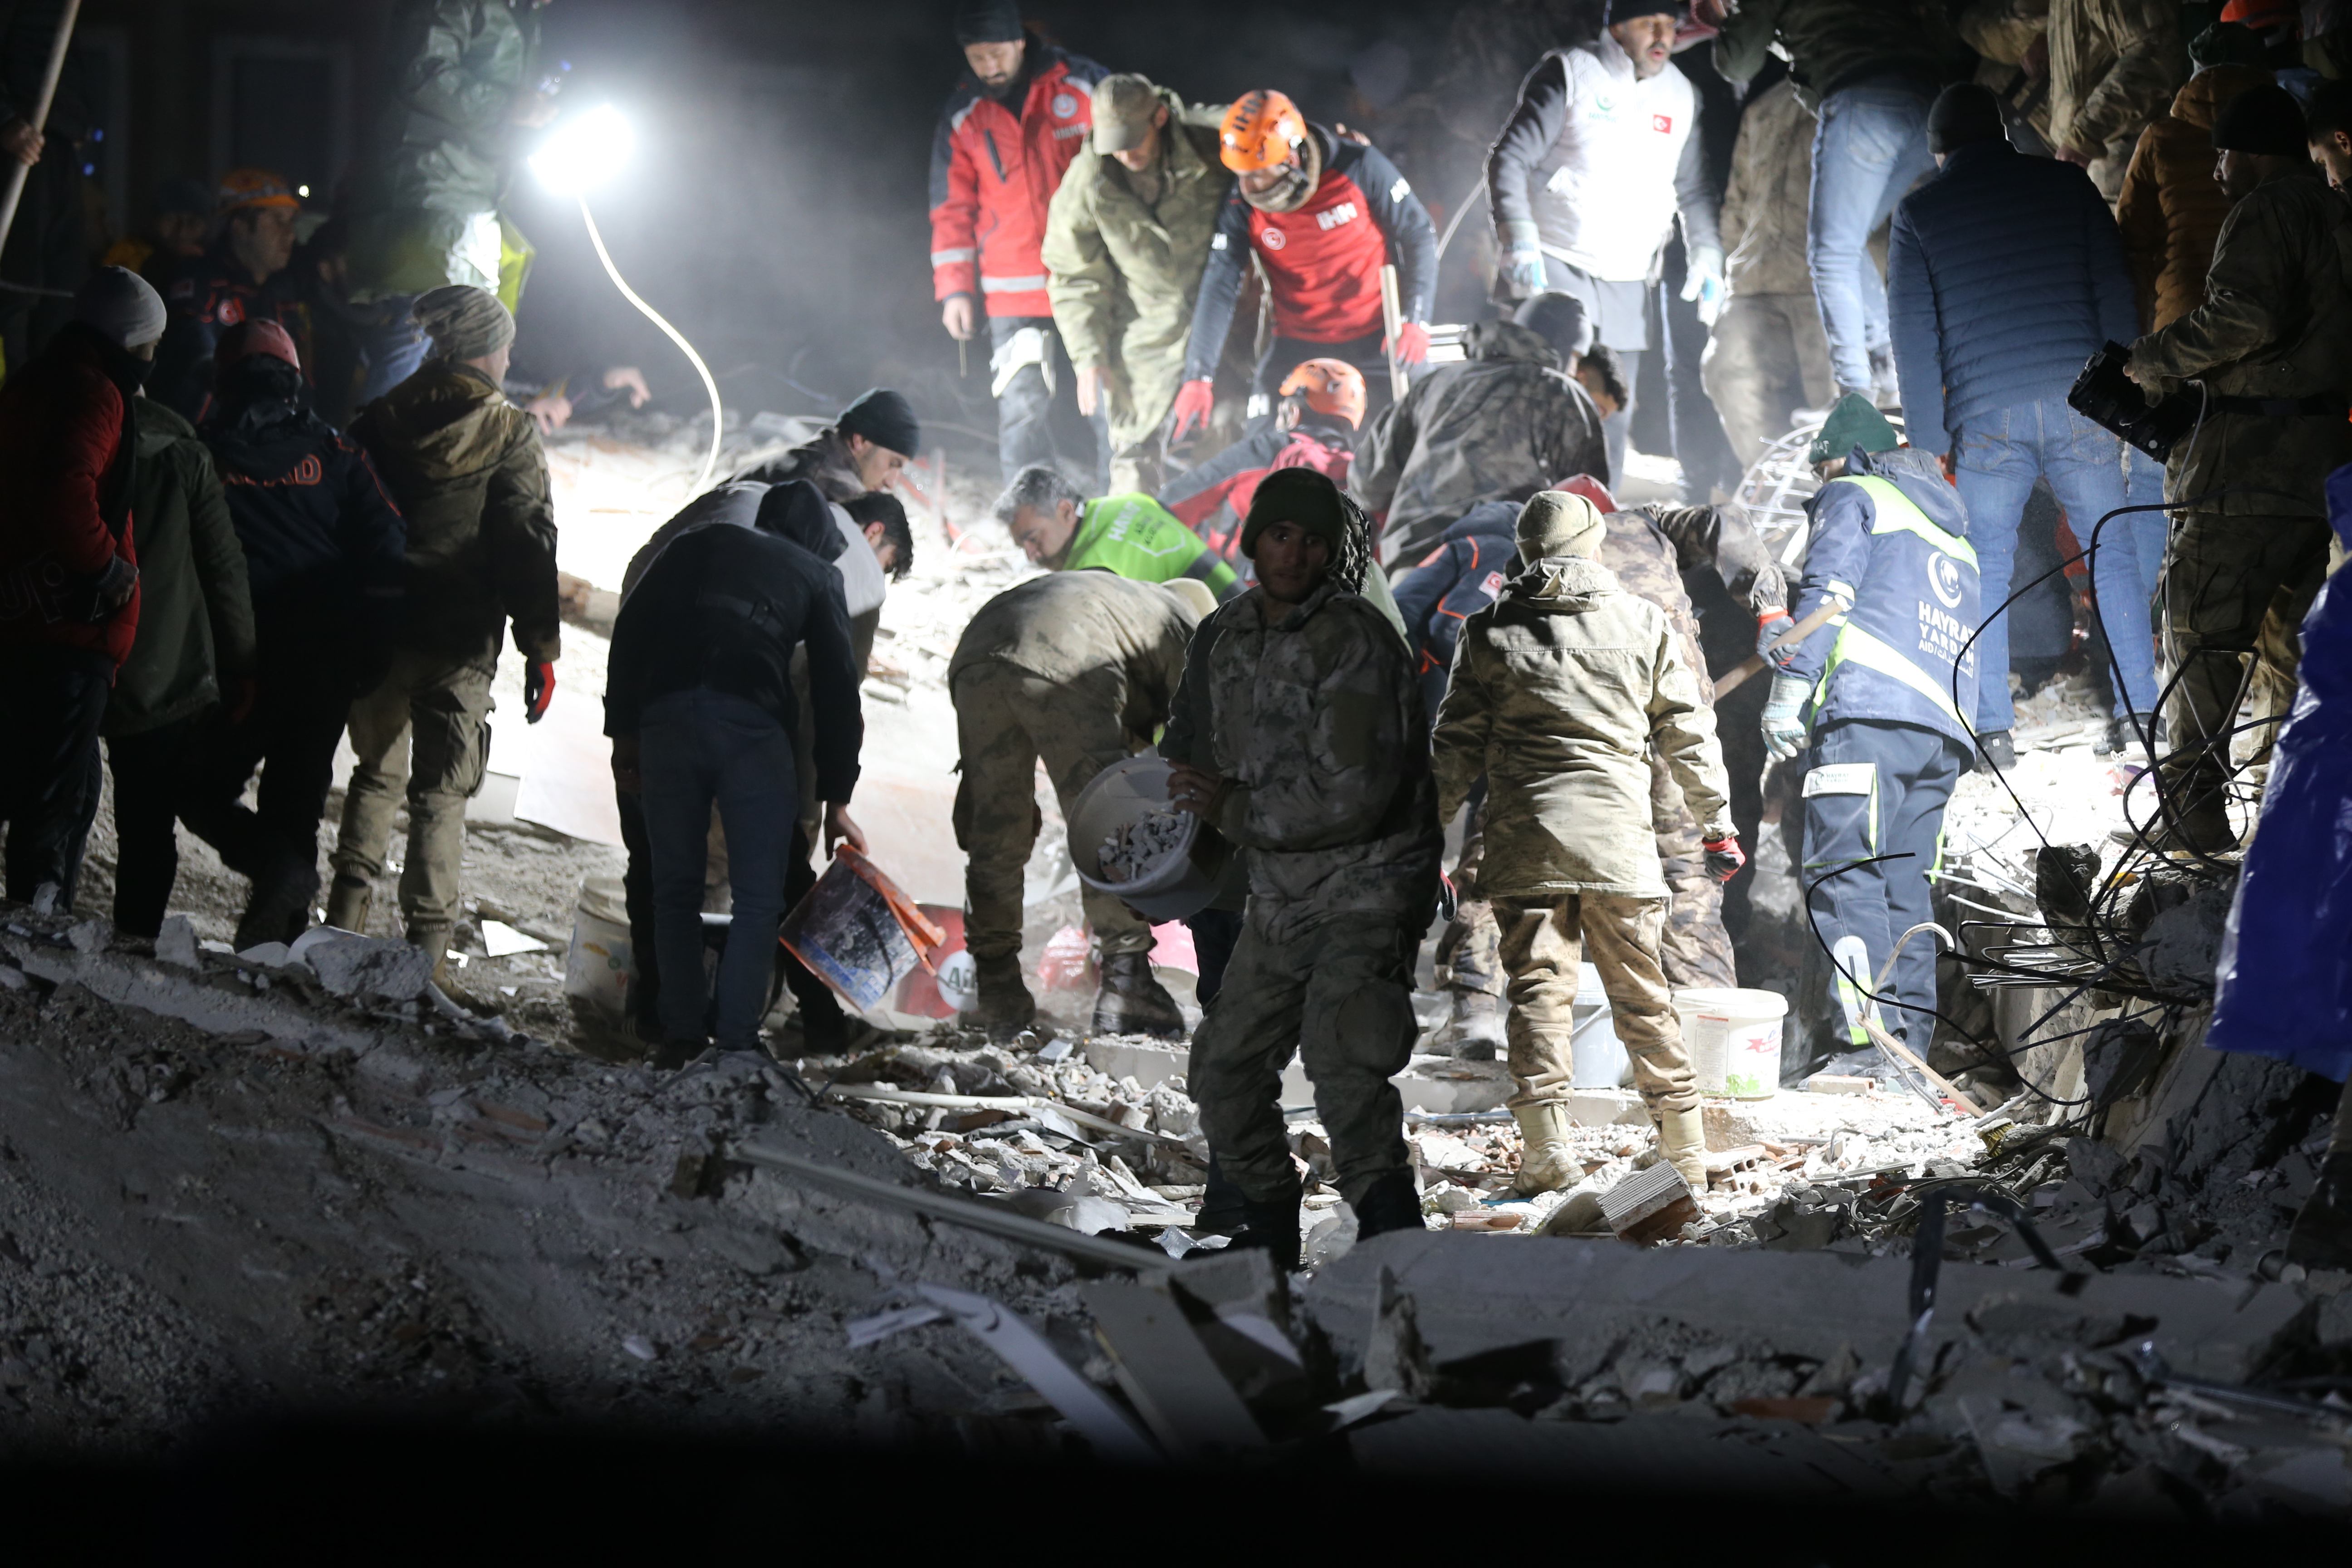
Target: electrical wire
717 430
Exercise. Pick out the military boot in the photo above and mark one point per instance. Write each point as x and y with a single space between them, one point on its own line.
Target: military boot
1131 1002
2322 1237
347 902
1682 1143
279 907
1474 1031
1548 1163
1389 1204
1005 1006
1273 1226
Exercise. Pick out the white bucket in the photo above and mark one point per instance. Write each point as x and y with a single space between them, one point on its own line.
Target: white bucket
1123 792
1596 1057
1733 1037
600 968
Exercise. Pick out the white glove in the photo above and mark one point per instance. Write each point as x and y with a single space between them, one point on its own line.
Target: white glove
1784 725
1520 272
1704 283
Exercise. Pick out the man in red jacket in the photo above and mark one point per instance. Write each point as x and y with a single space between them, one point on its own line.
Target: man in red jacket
1016 119
68 570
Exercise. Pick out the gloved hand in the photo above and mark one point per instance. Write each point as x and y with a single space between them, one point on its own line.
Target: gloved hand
1724 857
1784 726
1412 343
1771 628
1519 263
1704 283
1195 401
538 688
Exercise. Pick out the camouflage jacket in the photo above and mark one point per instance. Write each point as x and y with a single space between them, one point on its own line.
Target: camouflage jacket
1315 723
2276 324
1066 625
1560 690
1498 426
1764 207
1649 548
2113 68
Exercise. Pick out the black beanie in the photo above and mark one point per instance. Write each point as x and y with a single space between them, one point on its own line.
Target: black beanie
988 22
1964 113
1626 10
1301 496
2262 119
884 418
1561 321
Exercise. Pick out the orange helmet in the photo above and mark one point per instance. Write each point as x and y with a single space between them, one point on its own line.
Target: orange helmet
1331 386
1261 131
244 188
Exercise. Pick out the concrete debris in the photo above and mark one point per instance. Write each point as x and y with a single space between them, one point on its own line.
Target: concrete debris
1137 848
369 969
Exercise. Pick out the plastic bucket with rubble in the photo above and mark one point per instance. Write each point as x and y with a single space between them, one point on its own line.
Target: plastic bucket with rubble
1733 1037
859 932
1182 882
600 967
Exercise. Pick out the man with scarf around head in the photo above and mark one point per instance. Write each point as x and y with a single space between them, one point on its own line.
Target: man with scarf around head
69 569
466 468
1307 753
324 553
1561 689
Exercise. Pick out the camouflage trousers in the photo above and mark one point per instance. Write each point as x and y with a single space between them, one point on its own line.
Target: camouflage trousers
2233 587
1340 994
1545 942
1006 719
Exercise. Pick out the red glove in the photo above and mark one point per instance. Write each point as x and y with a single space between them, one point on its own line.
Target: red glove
1195 401
1724 858
1412 343
538 688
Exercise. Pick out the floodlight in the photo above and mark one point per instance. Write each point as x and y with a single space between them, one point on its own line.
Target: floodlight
584 152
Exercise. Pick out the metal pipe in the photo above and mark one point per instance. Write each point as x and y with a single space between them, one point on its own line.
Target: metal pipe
40 119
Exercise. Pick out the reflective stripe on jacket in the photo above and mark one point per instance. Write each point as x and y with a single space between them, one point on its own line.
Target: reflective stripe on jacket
995 169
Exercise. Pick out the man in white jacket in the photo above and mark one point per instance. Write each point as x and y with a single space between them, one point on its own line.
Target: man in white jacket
1588 175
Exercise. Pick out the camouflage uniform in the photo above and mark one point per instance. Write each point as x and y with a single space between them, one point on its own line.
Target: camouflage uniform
1315 723
2275 329
1499 426
1560 691
1077 669
2113 68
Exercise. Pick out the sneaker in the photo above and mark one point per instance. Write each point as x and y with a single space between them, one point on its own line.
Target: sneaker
1885 391
1996 752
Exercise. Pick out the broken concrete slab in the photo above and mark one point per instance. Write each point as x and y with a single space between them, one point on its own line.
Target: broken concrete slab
175 944
172 991
368 969
1167 1373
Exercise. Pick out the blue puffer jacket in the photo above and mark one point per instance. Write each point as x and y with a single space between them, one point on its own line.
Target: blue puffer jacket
1463 575
2006 274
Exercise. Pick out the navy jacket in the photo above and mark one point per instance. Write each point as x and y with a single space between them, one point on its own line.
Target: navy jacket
323 541
1465 574
2007 273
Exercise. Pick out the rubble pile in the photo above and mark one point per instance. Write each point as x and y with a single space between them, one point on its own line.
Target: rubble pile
1137 848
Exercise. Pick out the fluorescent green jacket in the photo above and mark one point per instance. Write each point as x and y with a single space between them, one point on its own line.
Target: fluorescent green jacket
1136 537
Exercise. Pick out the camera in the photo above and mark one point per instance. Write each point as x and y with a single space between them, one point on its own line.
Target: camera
2105 395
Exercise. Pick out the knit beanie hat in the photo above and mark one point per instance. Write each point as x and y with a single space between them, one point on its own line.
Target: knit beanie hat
463 321
988 22
1626 10
2262 119
886 418
1295 495
121 306
1852 422
1554 523
1561 321
1964 113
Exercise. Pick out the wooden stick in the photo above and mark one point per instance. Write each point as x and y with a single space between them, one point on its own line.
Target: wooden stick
1393 313
40 119
1731 678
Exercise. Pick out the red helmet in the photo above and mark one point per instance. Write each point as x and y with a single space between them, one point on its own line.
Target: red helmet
1330 387
253 338
1591 488
1261 131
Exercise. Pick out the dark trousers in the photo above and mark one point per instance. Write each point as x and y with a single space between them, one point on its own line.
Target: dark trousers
1873 789
1699 444
149 769
1215 933
1037 422
52 702
637 893
702 748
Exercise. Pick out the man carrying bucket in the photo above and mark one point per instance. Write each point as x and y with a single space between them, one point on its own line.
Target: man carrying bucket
1560 691
1077 667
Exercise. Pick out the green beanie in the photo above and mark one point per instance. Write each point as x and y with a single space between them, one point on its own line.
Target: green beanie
1555 523
1853 422
1301 496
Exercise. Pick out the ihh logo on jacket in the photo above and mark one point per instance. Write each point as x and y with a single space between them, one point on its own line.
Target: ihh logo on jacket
1944 577
1274 239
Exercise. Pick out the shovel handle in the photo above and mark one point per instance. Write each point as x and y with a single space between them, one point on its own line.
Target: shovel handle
1753 664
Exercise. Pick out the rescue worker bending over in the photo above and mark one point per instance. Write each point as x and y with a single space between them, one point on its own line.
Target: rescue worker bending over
1560 691
1133 536
1872 694
1314 428
1313 766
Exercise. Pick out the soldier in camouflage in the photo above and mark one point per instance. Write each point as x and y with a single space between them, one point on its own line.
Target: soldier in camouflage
1079 668
1497 427
1313 764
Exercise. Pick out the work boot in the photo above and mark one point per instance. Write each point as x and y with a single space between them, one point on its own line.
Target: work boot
1389 1204
1996 752
279 909
1548 1163
1474 1032
1223 1210
2322 1237
1272 1226
1682 1143
1132 1002
1005 1006
464 995
347 902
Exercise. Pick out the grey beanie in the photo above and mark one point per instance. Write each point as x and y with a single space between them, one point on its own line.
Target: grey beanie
122 306
1559 320
1555 523
464 321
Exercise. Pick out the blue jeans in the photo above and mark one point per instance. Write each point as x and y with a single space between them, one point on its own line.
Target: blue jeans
1869 147
700 747
1998 456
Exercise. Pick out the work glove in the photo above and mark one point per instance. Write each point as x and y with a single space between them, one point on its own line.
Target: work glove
1724 858
1520 262
1771 628
1195 401
1412 344
1784 726
1704 283
538 688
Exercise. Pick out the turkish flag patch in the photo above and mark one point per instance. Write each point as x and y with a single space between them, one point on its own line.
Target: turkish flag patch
1664 124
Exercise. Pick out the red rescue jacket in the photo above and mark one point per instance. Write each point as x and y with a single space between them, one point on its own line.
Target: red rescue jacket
1214 498
993 173
65 508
